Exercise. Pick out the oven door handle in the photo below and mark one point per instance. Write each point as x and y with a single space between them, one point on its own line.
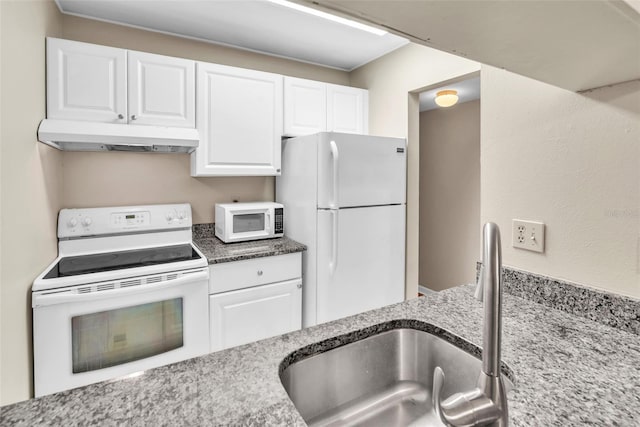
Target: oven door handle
50 297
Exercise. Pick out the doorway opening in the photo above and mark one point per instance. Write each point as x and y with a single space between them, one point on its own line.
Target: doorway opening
449 199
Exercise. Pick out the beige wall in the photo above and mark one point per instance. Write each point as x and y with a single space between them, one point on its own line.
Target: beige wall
571 161
107 179
37 181
394 112
30 184
449 195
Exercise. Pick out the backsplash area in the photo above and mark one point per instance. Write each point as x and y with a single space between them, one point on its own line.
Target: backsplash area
203 231
610 309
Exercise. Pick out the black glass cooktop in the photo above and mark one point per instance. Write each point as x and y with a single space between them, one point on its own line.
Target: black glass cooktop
95 263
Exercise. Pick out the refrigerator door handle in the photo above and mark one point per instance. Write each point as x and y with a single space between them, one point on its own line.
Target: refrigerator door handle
334 157
334 242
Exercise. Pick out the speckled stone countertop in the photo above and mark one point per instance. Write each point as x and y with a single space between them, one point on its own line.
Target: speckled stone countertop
569 371
216 251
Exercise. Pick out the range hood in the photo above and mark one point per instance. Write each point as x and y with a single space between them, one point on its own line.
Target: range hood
72 135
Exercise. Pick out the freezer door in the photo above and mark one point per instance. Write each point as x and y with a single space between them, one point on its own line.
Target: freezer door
360 260
360 170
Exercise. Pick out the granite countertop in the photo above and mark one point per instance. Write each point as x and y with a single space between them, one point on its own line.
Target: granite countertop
568 371
216 251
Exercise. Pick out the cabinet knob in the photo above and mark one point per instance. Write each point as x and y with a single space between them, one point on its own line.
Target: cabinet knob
134 117
259 272
120 116
299 285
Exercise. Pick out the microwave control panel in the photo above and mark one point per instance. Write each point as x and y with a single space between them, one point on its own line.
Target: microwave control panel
279 216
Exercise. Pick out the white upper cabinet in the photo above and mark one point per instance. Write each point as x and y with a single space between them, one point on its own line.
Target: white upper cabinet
161 90
239 118
305 106
86 82
347 109
311 107
105 84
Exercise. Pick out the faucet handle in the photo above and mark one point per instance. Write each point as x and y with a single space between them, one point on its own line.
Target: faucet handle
479 293
438 383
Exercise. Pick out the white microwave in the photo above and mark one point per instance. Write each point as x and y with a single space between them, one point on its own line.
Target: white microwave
239 222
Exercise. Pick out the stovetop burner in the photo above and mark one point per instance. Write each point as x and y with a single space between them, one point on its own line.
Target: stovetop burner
96 263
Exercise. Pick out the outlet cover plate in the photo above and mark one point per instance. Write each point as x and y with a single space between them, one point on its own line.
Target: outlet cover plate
528 235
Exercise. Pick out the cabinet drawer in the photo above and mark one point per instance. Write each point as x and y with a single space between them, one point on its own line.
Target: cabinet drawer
234 275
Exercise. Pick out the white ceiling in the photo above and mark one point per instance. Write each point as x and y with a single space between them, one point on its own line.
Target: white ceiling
573 44
255 25
468 90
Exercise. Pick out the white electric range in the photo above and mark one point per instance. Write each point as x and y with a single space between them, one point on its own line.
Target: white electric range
127 292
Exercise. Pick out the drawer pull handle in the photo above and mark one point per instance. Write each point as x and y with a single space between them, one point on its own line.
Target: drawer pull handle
259 272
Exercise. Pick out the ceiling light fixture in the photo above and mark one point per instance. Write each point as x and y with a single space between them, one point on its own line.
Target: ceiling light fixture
330 17
446 98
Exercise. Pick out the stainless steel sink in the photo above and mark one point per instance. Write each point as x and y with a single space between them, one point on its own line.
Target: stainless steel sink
382 380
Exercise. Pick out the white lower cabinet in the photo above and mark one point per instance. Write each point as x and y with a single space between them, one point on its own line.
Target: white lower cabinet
250 309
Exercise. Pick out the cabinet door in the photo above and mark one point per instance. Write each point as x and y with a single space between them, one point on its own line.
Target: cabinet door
161 90
86 82
305 106
248 315
239 117
347 109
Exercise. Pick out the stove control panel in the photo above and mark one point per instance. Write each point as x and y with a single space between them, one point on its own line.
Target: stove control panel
123 219
130 219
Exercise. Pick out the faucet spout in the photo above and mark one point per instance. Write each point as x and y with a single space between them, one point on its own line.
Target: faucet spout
487 403
491 281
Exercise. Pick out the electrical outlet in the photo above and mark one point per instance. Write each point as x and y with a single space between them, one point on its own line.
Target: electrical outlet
528 235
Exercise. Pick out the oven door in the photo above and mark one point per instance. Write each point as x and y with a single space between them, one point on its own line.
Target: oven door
90 333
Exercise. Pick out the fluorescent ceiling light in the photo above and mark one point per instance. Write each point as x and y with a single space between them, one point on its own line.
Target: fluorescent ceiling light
330 17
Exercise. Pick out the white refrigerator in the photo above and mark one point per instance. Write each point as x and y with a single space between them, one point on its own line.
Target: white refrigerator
344 197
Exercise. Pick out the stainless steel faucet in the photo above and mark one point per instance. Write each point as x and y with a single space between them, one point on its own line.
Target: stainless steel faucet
486 405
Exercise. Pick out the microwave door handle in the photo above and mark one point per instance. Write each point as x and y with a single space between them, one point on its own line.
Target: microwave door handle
334 164
268 221
41 300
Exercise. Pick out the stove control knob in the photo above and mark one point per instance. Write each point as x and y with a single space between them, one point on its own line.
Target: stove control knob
169 217
72 222
86 221
181 215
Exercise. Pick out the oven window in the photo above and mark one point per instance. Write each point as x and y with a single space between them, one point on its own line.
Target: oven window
114 337
248 222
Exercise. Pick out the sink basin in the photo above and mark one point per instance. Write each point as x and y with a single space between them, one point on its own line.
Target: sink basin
381 378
